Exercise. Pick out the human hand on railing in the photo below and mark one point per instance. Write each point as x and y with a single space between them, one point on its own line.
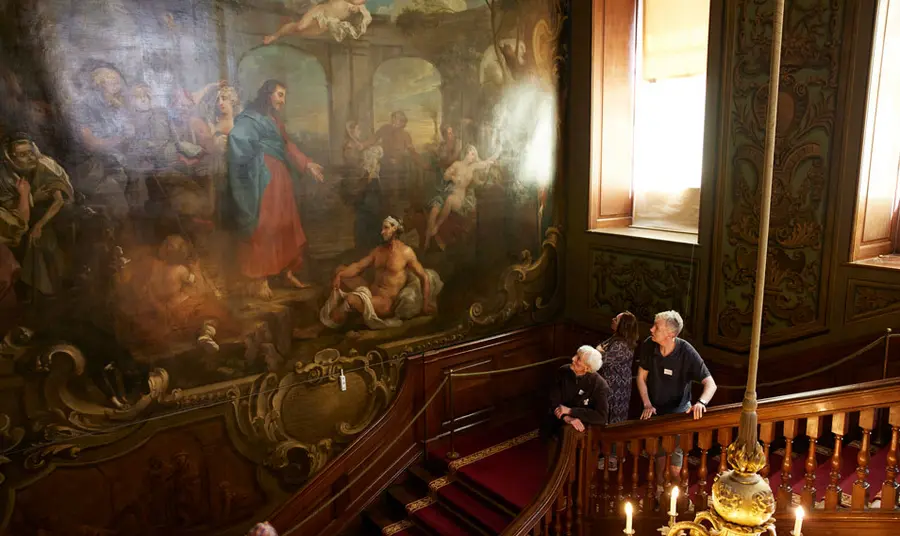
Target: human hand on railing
698 410
561 411
576 423
648 412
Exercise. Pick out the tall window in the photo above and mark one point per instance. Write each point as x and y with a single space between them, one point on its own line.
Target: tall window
876 228
648 111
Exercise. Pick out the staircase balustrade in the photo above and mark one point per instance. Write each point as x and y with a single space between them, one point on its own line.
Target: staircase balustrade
578 494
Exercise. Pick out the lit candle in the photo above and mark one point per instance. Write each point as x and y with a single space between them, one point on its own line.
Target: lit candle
798 522
672 508
628 512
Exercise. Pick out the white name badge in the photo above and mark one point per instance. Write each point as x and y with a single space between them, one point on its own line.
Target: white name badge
580 392
667 372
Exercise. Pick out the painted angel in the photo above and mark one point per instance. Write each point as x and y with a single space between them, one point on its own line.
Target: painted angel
339 17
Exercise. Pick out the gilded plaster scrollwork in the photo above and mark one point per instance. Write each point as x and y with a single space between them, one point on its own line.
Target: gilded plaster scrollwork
301 419
808 100
522 287
64 405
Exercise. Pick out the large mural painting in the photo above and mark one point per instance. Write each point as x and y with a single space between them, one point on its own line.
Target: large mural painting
214 208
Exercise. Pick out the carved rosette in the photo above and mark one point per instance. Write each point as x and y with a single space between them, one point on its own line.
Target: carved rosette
301 419
523 287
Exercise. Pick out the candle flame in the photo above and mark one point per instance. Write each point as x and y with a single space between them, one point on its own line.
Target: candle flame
628 509
674 491
799 512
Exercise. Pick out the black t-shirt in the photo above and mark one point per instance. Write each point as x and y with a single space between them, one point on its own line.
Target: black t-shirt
669 378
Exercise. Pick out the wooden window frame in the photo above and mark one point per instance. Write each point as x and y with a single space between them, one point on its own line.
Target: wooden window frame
889 244
614 47
614 41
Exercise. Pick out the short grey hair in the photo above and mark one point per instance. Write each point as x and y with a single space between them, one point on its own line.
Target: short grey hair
591 357
673 321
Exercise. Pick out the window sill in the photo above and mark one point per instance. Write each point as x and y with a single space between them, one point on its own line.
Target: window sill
884 262
650 234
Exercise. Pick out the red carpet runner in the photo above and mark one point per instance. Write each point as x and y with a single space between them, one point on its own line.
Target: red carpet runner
479 493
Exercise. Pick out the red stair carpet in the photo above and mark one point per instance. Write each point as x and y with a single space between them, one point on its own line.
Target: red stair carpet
498 473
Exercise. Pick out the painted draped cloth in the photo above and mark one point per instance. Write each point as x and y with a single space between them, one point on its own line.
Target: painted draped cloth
263 168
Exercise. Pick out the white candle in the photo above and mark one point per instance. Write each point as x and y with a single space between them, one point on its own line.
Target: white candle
674 499
628 512
798 522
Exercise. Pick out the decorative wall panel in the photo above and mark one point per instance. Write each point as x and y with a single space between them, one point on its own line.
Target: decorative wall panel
644 284
795 301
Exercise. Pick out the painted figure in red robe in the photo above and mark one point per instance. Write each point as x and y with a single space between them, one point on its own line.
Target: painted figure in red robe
263 168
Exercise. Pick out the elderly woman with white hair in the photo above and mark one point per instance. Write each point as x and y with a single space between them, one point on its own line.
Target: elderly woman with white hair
579 396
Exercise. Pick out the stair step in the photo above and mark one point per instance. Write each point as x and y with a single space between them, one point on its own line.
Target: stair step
440 522
474 508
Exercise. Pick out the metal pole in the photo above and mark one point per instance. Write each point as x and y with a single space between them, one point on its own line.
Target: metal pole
451 454
747 433
887 351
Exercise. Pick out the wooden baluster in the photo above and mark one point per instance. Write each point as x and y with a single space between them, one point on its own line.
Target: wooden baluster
620 475
860 496
652 445
586 455
808 495
569 489
686 442
668 443
785 491
635 475
833 492
546 523
704 441
724 436
889 488
557 515
766 435
606 496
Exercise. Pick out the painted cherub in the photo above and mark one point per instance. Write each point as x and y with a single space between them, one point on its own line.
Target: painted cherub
456 195
331 15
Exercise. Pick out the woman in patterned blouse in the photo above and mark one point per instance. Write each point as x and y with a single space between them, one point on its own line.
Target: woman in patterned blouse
618 355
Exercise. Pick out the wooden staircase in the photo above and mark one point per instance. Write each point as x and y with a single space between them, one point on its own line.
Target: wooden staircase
837 489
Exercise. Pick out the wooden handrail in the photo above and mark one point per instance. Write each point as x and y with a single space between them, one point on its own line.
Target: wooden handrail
880 393
547 498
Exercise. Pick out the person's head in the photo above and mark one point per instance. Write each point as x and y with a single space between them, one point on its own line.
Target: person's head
447 132
666 326
110 84
625 326
262 529
470 154
140 98
271 98
227 102
398 119
353 130
21 152
175 250
586 359
391 228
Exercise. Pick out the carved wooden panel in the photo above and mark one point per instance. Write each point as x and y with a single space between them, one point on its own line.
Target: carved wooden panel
808 99
644 284
865 300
